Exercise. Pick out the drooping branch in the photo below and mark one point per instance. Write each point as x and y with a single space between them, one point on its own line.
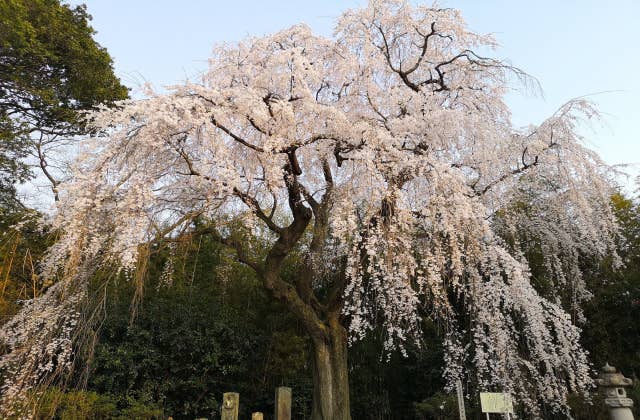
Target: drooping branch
255 207
232 243
425 46
526 165
439 68
236 137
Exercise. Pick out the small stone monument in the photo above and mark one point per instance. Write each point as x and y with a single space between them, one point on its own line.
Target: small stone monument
257 416
230 405
283 403
612 385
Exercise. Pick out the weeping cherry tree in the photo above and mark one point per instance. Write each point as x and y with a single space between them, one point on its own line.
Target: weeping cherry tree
381 158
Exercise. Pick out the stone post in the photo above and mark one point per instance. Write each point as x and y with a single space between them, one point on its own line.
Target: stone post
612 386
256 416
230 405
283 403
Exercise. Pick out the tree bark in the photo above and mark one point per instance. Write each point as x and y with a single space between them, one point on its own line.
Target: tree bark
321 320
331 374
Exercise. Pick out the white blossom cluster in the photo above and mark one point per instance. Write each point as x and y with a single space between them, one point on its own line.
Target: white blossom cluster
562 212
38 346
402 128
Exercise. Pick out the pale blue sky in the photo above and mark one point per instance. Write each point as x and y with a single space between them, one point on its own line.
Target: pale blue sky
573 47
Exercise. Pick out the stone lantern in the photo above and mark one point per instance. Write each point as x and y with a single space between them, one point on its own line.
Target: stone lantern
612 385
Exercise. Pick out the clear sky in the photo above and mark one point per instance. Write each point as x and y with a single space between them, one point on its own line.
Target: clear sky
573 47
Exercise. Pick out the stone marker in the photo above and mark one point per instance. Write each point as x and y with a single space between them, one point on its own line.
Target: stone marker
283 403
612 385
256 416
230 404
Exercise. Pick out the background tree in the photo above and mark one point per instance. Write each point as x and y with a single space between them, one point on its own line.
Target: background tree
611 333
50 69
204 326
376 161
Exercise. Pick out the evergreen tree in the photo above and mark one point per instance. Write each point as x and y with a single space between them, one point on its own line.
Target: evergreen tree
51 69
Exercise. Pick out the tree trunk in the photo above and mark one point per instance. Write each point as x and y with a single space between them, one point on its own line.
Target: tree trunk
331 375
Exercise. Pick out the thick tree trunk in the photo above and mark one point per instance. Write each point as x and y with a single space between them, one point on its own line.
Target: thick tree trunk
331 375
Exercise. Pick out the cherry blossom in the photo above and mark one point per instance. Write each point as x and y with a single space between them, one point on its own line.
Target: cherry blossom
386 156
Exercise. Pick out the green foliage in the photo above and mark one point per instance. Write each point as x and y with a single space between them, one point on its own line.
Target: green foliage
12 150
50 69
50 66
22 243
76 405
207 330
612 333
437 407
388 386
588 410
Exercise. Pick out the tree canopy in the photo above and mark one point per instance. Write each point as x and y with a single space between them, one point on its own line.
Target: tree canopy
50 69
382 161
